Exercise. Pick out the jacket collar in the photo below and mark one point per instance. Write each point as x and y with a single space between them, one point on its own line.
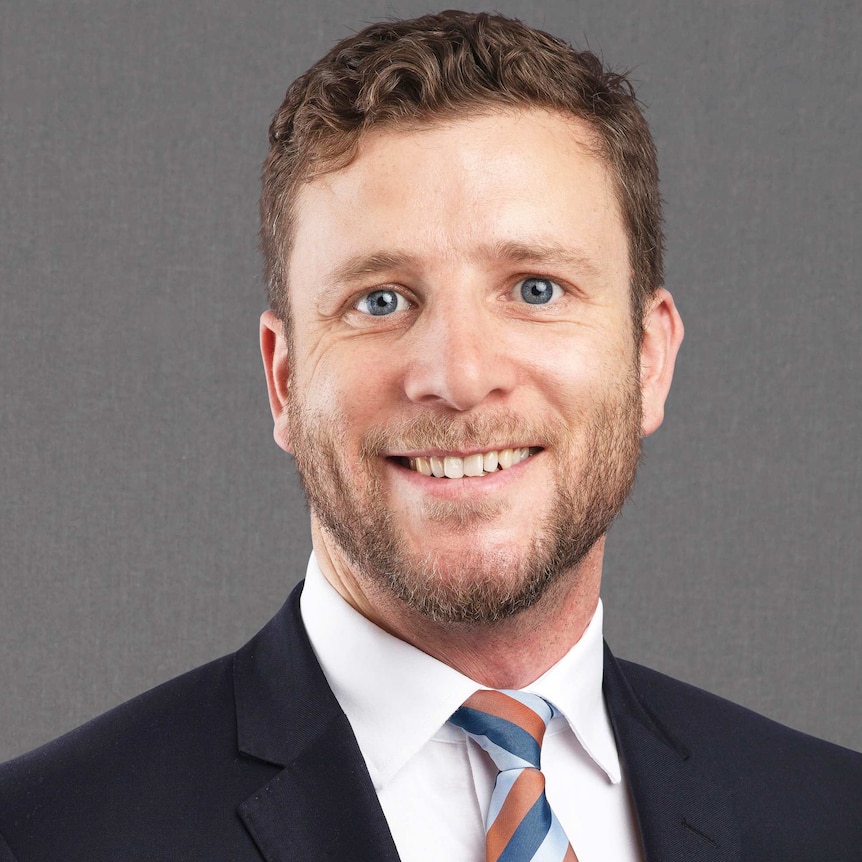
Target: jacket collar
682 816
322 804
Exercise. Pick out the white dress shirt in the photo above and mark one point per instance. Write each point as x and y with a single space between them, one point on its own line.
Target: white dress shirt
433 782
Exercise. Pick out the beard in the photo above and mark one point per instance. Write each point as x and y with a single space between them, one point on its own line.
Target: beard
594 472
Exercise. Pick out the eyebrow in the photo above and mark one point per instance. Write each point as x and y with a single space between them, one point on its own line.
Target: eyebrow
361 266
545 253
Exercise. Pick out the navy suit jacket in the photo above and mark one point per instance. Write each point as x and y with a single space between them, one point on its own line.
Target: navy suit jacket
251 757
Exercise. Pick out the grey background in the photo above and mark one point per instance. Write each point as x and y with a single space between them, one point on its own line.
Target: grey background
148 521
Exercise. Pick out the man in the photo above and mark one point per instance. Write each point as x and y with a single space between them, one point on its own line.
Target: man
468 337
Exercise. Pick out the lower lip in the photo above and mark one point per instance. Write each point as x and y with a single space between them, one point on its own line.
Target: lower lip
468 486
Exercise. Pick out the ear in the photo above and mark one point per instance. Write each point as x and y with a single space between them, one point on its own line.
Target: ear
662 336
273 351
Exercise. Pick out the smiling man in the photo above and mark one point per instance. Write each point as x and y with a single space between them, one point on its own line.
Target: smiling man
468 337
463 387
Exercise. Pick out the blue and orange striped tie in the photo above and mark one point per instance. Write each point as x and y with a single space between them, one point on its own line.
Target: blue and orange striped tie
520 826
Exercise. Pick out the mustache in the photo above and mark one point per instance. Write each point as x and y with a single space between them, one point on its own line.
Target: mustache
432 431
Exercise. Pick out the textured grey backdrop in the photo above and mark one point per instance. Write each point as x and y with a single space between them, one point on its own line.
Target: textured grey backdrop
148 521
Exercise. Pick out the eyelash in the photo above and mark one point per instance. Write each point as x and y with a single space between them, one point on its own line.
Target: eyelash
403 303
365 298
557 289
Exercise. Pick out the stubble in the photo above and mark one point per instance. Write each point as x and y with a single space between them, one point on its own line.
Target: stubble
595 471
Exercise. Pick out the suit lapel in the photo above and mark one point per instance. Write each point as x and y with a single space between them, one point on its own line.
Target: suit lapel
322 805
683 817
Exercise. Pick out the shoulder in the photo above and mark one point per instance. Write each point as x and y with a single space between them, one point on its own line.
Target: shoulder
155 721
146 766
707 721
774 773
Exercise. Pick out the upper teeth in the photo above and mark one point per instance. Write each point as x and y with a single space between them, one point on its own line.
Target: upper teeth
480 464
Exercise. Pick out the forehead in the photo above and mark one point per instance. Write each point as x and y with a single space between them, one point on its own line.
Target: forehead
451 190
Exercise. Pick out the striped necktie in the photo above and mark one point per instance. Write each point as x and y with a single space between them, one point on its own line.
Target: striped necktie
520 826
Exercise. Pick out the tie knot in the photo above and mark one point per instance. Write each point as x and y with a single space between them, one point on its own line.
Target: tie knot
509 725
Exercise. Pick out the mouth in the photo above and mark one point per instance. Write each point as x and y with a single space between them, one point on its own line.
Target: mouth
468 466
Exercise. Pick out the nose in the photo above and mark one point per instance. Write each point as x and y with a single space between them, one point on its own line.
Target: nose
459 359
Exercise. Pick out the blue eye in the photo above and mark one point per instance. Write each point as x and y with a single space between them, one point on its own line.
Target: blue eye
381 302
538 291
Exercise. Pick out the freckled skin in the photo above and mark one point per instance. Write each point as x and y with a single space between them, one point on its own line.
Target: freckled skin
454 220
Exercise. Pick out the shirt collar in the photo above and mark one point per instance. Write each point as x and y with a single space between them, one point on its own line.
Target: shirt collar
397 697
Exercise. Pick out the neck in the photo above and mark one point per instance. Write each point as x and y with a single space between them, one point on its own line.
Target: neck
510 653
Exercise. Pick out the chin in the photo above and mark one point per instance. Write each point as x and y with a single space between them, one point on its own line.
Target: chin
473 586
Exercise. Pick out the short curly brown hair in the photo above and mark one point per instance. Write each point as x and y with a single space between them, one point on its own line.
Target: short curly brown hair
446 65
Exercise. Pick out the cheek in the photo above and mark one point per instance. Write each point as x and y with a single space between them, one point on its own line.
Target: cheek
567 365
350 386
576 374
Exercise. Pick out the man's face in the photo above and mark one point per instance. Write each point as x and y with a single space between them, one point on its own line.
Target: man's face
460 304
